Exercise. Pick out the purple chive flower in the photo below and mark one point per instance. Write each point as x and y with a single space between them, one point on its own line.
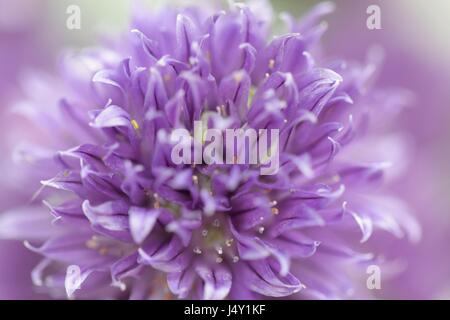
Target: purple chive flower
139 226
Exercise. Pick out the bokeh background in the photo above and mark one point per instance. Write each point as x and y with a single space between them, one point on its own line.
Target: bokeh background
416 44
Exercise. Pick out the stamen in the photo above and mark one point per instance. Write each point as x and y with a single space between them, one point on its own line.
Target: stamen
197 250
271 63
235 259
261 230
336 178
92 243
238 76
205 233
135 124
219 259
229 242
216 223
275 211
156 204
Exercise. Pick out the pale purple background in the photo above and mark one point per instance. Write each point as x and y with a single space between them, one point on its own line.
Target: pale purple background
415 39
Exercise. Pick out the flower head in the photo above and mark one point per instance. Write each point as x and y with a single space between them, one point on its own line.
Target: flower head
138 225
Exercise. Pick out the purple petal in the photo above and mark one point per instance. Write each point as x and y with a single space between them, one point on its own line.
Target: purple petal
142 221
216 282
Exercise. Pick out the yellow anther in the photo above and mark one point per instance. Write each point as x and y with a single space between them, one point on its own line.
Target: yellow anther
336 178
135 124
271 63
92 244
238 76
